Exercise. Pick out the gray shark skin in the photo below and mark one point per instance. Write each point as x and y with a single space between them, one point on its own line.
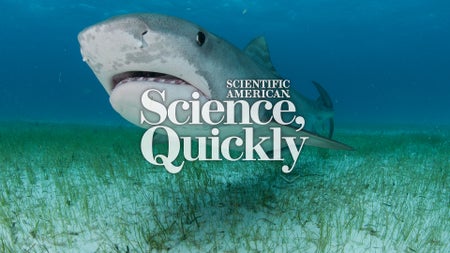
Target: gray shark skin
132 53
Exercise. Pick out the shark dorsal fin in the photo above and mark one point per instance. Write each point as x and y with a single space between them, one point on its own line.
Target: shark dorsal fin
258 50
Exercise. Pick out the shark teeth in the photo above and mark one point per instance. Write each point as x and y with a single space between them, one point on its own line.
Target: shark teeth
144 76
161 79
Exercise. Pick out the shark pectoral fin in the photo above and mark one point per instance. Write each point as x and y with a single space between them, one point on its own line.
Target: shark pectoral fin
313 139
322 142
258 50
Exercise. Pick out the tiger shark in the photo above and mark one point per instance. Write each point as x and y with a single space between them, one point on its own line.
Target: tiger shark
132 53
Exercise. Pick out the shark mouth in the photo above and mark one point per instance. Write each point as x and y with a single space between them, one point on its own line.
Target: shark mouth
128 88
145 76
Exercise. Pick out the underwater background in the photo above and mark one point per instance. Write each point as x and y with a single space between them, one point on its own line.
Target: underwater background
72 178
381 61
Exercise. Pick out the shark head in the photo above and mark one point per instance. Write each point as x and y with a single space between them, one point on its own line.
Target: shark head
141 46
132 53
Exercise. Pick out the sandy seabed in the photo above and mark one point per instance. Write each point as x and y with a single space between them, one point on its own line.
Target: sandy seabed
75 188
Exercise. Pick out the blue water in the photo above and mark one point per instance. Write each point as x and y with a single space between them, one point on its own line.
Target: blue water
382 61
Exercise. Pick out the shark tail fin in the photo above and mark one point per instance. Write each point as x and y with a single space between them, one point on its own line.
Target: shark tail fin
324 100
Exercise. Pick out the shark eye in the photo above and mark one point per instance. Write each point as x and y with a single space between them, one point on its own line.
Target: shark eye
200 38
